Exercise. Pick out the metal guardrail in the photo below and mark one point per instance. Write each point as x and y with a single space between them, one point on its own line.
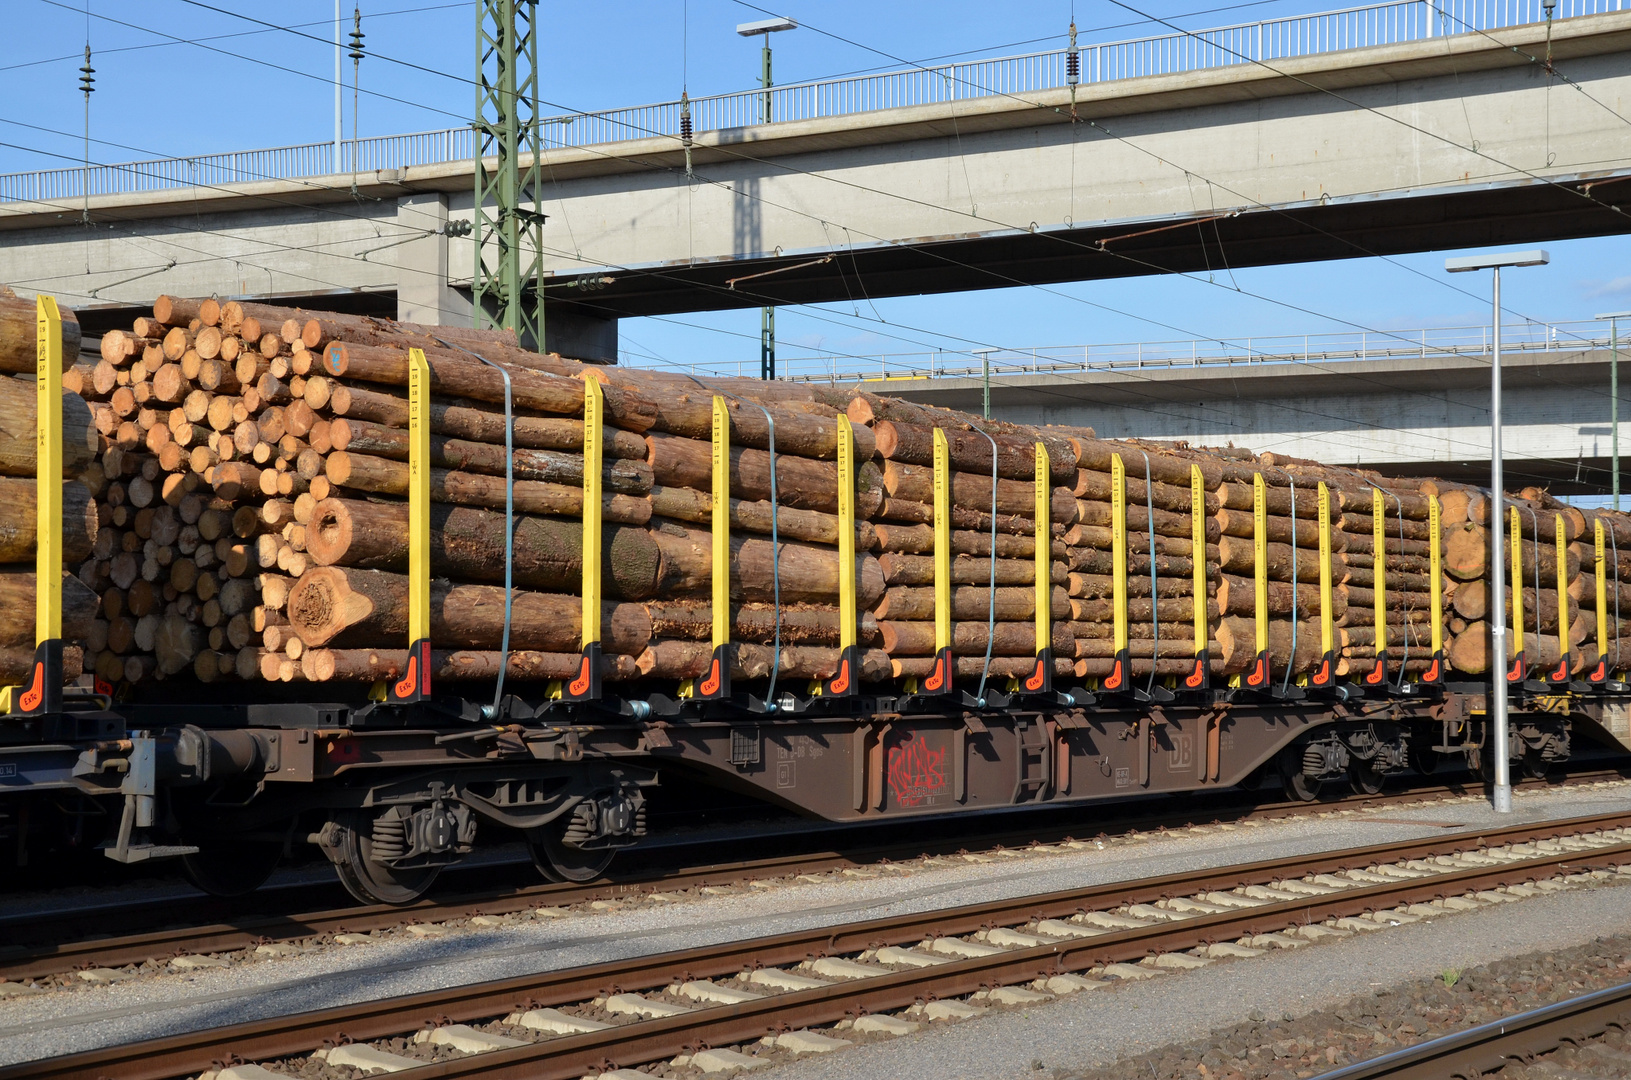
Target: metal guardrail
1429 345
1163 54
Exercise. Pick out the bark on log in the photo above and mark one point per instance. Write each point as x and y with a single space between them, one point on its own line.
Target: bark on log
19 438
689 504
970 638
19 345
465 422
1092 484
346 607
17 664
79 607
808 574
19 524
802 483
972 667
755 623
457 376
1095 454
555 466
469 544
690 660
1237 645
373 665
919 540
362 472
1007 604
1470 650
970 452
901 569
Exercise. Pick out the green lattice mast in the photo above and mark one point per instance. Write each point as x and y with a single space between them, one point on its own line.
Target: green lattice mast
508 281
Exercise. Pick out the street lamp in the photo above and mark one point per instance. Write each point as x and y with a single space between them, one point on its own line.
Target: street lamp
1614 318
1497 566
767 315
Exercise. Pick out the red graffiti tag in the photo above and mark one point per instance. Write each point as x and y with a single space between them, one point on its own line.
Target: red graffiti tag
916 772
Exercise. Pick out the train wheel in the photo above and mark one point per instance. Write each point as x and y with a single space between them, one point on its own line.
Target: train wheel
559 862
351 852
1300 786
1365 779
231 867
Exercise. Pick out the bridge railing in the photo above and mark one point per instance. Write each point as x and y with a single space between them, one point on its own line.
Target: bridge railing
1073 361
1160 54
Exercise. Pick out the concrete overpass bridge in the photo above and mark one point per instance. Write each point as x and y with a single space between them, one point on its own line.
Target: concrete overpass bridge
1405 402
1390 128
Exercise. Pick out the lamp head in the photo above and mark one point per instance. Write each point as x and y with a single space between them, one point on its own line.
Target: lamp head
765 26
1464 263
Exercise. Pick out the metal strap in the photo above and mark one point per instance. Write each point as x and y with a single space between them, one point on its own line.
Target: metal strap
509 520
1155 621
991 589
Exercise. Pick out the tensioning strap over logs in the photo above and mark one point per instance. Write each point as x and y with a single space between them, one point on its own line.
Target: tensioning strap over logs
414 685
43 693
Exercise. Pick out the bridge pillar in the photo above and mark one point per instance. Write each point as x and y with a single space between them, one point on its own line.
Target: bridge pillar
423 294
580 334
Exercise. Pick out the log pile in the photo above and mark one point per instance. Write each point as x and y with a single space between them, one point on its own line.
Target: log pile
236 479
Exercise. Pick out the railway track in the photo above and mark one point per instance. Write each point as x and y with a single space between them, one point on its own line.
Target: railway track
886 976
1577 1024
39 945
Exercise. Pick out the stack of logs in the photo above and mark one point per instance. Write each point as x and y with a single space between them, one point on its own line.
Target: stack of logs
239 513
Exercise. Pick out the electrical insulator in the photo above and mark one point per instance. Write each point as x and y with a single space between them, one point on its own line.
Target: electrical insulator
685 119
87 75
357 35
1073 60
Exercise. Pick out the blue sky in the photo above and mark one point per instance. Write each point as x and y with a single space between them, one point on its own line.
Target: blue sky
237 83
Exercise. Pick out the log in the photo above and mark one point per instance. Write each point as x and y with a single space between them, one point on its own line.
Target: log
1138 517
466 422
901 569
559 467
970 490
19 344
1166 647
912 512
1168 468
374 665
802 483
1466 555
19 525
808 574
1099 586
1239 556
455 376
1237 645
362 472
1141 668
469 543
972 667
689 413
970 638
1238 596
919 540
690 660
344 607
1470 650
689 504
79 607
969 451
801 624
1007 604
19 445
17 664
1092 484
1277 529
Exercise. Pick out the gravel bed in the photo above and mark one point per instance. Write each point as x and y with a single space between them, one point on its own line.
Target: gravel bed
1370 1025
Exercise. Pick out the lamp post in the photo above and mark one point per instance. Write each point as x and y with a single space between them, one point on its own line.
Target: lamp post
1614 318
767 314
1502 796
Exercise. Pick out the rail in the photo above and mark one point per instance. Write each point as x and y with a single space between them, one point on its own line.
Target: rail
1162 54
1429 344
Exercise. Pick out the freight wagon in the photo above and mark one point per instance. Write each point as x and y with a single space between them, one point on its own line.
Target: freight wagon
392 590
